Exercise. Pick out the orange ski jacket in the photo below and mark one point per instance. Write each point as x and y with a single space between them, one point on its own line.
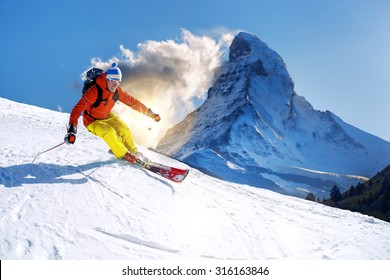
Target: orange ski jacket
104 109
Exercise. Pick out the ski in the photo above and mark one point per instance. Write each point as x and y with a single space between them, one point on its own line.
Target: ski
171 173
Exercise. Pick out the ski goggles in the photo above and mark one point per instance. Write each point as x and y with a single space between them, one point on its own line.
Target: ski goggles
116 82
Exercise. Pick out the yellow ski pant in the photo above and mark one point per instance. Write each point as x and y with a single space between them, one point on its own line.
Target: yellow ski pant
115 133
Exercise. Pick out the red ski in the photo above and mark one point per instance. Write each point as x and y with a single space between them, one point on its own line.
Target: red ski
171 173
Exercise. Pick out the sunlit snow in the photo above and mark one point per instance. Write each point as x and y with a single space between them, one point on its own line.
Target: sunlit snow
79 202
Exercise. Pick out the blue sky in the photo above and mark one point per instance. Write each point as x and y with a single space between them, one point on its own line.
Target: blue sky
337 52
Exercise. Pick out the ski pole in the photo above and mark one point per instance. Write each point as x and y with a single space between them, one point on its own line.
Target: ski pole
47 151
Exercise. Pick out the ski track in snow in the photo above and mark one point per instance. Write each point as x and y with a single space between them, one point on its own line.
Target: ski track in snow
78 202
133 239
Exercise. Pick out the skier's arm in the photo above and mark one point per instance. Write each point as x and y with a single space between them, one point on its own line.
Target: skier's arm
136 105
85 102
153 115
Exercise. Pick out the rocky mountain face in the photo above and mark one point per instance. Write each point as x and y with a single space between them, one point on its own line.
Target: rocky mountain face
253 128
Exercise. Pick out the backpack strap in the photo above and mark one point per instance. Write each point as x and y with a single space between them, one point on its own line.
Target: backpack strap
99 96
116 96
98 100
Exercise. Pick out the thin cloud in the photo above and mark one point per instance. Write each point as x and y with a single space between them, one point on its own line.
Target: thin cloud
170 77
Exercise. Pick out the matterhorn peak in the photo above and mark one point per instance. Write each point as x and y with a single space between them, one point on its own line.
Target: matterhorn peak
253 128
241 46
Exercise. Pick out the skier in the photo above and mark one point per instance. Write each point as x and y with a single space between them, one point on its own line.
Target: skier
100 121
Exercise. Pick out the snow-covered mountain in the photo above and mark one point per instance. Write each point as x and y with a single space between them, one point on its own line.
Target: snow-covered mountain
253 128
78 202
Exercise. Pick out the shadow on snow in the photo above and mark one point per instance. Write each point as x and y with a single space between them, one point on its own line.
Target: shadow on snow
45 173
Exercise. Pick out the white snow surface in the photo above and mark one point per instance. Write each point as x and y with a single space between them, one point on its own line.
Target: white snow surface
78 202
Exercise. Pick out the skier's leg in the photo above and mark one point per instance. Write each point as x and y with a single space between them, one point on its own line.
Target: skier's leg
123 131
109 135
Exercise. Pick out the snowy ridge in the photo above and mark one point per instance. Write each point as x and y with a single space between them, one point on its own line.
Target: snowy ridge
78 202
254 120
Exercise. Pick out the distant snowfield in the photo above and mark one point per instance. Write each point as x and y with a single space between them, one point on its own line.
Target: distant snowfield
78 202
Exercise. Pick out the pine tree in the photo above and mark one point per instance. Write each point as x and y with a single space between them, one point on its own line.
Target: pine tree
359 189
310 197
385 205
351 191
370 200
335 194
386 185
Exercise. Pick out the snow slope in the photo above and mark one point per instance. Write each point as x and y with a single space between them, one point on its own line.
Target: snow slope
78 202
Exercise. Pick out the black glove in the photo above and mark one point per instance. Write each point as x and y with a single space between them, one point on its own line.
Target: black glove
152 115
70 137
